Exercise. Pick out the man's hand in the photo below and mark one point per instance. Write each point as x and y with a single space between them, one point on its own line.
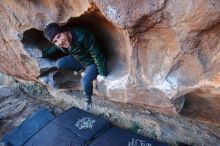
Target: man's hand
100 78
82 73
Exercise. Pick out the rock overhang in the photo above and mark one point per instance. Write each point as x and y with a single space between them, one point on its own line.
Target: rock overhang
164 53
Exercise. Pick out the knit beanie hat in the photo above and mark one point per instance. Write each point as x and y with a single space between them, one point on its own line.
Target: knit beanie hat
52 30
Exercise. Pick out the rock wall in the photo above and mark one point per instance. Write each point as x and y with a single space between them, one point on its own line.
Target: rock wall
18 16
159 50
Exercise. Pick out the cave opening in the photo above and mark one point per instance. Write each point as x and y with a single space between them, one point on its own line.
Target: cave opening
112 41
202 104
36 45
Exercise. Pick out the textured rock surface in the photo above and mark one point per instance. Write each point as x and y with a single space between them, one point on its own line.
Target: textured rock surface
157 50
171 42
18 16
17 106
19 99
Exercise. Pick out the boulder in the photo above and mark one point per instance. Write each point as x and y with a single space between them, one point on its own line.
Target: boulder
158 51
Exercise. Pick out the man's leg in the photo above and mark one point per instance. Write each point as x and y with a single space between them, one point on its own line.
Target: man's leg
69 63
91 73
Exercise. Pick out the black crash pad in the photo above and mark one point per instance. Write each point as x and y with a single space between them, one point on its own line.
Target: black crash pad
83 124
55 135
72 128
120 137
28 128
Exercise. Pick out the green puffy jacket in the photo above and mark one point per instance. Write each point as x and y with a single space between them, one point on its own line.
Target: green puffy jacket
85 49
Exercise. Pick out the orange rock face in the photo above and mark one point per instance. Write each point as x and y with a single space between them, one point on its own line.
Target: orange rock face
158 50
16 17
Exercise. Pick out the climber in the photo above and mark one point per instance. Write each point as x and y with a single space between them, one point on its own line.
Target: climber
83 54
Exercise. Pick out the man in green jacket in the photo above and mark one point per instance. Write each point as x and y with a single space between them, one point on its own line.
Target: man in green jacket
83 54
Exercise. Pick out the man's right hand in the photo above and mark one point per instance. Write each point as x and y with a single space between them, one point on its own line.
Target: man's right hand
82 73
100 78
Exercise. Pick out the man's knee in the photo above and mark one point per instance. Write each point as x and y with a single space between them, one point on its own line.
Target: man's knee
59 63
62 63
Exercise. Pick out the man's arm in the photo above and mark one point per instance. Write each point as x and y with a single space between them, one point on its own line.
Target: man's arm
52 51
95 52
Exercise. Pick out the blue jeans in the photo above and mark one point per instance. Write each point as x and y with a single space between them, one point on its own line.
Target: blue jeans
91 72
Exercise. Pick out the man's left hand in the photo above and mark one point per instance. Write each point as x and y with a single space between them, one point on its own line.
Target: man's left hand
100 78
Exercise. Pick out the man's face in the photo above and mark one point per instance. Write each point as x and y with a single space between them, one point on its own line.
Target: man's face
62 40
